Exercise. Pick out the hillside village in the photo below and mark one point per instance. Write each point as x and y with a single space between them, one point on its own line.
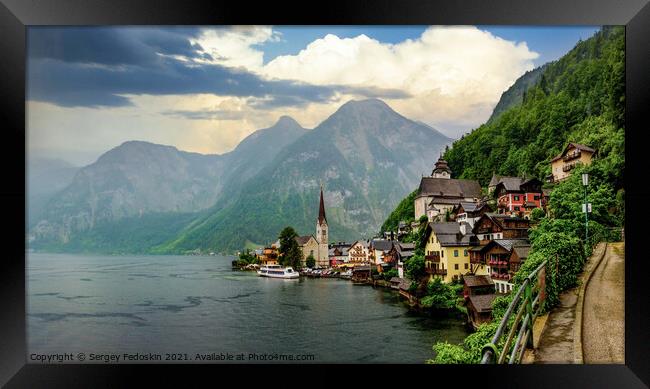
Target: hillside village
469 236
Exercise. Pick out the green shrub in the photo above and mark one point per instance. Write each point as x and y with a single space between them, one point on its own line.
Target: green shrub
389 274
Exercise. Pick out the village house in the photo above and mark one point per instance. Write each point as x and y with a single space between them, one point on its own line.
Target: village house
518 255
479 309
439 193
403 229
446 250
469 212
401 252
498 226
488 228
309 246
519 196
358 253
270 254
379 250
496 256
478 292
338 253
361 273
574 154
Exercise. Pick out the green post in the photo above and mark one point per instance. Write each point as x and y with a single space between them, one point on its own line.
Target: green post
528 293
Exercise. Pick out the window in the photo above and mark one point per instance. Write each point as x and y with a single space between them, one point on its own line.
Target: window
455 266
536 197
442 254
466 266
516 198
455 253
465 253
516 208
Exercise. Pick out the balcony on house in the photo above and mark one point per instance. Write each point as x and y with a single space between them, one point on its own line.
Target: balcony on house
440 272
435 271
570 166
572 155
475 257
434 257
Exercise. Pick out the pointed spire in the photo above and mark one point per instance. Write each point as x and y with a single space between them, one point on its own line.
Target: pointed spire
321 210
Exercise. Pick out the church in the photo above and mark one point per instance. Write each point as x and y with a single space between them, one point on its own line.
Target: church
322 234
439 192
317 246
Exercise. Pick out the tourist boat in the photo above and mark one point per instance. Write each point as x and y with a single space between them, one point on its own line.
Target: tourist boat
277 271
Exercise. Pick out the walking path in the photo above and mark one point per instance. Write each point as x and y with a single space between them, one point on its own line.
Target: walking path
560 338
603 328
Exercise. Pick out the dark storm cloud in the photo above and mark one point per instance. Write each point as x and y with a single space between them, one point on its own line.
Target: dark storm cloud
111 45
93 66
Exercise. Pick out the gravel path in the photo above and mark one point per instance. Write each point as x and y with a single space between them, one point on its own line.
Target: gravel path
603 336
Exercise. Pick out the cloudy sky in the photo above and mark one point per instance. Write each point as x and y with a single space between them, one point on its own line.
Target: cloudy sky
204 89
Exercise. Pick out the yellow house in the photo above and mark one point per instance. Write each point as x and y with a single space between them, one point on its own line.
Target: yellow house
446 251
574 154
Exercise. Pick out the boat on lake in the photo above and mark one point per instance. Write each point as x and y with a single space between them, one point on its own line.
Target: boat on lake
277 271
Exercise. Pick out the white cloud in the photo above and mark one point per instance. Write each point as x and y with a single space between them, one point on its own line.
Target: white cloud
455 74
234 46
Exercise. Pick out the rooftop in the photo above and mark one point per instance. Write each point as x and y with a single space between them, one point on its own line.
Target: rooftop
449 187
573 145
522 251
474 281
508 244
383 245
302 240
482 302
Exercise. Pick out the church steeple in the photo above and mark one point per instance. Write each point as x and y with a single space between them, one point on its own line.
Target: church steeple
322 234
321 210
441 169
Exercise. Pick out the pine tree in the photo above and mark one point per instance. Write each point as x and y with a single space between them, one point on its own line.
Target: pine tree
290 254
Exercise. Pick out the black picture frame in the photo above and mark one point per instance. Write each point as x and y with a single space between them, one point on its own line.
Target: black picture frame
15 15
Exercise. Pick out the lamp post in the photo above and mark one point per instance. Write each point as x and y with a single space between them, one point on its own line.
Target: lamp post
585 183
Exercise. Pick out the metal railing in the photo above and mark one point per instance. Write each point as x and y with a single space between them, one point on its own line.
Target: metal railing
528 303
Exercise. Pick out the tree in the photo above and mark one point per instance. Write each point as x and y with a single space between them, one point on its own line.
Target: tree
536 214
440 296
290 254
310 262
245 258
414 267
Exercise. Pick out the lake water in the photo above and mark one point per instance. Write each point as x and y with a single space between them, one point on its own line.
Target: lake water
188 305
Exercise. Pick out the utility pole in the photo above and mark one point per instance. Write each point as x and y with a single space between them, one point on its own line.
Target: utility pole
586 206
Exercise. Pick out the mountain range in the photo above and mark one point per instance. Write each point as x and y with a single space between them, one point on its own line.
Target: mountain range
143 197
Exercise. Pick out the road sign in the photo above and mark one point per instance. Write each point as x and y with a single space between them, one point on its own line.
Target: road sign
588 208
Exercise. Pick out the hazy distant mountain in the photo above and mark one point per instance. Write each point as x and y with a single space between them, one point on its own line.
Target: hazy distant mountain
45 177
367 157
138 178
258 150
